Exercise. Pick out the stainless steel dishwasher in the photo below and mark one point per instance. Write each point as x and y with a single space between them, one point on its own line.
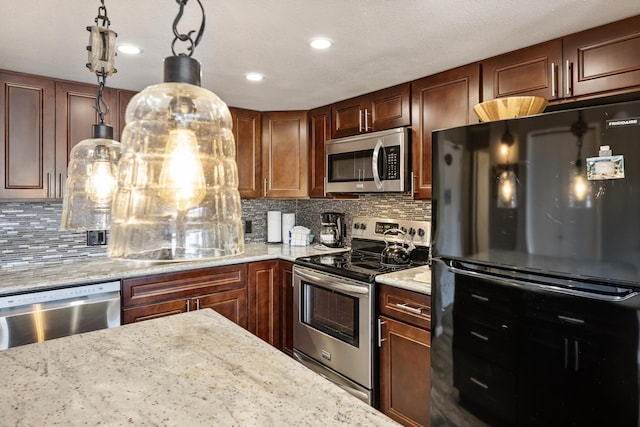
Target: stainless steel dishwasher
43 315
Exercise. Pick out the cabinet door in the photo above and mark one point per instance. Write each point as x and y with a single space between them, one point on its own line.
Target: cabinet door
27 158
285 154
319 133
532 71
286 306
264 301
390 108
439 101
346 117
123 97
75 117
405 372
231 304
603 59
247 129
153 311
384 109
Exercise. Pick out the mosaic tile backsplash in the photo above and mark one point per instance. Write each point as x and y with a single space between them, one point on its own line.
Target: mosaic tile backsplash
29 231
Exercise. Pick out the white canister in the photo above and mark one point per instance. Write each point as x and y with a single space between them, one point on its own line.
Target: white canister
274 227
288 222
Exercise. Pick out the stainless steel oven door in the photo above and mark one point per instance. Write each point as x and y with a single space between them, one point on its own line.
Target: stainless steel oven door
333 323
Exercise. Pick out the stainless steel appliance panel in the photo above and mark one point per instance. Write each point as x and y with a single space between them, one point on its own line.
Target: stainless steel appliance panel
39 316
371 163
334 323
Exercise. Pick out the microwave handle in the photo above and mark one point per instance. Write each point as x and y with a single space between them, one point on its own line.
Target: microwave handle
377 152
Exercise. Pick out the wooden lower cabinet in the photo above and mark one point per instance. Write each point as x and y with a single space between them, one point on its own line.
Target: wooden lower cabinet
405 355
286 306
224 289
264 301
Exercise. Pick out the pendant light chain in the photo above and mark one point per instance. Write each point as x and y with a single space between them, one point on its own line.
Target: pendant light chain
186 37
102 22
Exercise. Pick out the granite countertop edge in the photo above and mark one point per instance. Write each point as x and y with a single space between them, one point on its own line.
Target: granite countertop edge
34 277
103 269
417 279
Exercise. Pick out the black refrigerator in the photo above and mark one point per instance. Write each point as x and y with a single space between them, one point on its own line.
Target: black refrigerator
536 270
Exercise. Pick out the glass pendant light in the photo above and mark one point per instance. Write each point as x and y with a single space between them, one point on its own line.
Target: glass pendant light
92 169
579 188
177 196
507 179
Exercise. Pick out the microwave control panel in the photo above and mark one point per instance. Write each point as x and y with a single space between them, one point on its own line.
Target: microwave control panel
393 162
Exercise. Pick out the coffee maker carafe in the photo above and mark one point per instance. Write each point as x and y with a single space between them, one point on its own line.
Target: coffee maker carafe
333 230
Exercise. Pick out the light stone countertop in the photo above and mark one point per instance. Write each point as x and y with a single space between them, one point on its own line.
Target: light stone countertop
416 279
190 369
104 269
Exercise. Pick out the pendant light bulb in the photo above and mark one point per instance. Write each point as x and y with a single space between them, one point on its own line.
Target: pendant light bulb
101 183
507 197
579 188
182 182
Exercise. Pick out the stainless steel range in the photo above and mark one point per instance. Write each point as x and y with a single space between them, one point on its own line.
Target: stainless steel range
334 297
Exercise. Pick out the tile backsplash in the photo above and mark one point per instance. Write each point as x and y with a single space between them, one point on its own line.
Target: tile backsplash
29 231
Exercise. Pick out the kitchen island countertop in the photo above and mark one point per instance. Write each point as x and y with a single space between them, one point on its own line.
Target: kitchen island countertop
192 369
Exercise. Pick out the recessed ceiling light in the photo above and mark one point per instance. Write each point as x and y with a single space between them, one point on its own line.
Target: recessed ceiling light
129 49
254 77
320 43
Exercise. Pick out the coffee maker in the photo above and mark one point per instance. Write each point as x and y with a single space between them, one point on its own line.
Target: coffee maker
333 230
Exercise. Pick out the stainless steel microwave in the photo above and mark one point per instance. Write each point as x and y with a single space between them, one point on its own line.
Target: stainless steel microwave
376 162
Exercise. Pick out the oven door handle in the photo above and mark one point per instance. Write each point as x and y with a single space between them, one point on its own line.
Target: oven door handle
330 283
375 159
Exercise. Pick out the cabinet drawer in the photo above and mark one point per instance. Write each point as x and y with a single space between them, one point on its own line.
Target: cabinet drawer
410 307
475 297
488 337
184 284
485 386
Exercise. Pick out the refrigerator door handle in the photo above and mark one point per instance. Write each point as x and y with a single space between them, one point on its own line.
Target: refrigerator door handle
539 287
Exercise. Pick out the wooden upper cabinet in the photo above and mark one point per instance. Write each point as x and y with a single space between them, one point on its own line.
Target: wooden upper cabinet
603 59
535 70
123 97
27 158
247 128
384 109
439 101
319 133
75 117
285 154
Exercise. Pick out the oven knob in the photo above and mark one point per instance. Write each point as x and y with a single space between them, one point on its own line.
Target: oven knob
363 226
412 231
420 232
356 225
403 229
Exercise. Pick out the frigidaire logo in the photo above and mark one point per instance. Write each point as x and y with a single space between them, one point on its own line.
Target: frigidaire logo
616 123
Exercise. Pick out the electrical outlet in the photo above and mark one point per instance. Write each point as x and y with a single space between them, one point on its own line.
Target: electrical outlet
96 237
247 226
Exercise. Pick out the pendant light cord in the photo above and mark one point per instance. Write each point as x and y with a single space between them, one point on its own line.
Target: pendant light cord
101 106
188 36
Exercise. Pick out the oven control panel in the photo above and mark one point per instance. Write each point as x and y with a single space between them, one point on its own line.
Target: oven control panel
417 232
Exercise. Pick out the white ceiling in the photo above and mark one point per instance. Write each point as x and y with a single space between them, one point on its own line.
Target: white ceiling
377 43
